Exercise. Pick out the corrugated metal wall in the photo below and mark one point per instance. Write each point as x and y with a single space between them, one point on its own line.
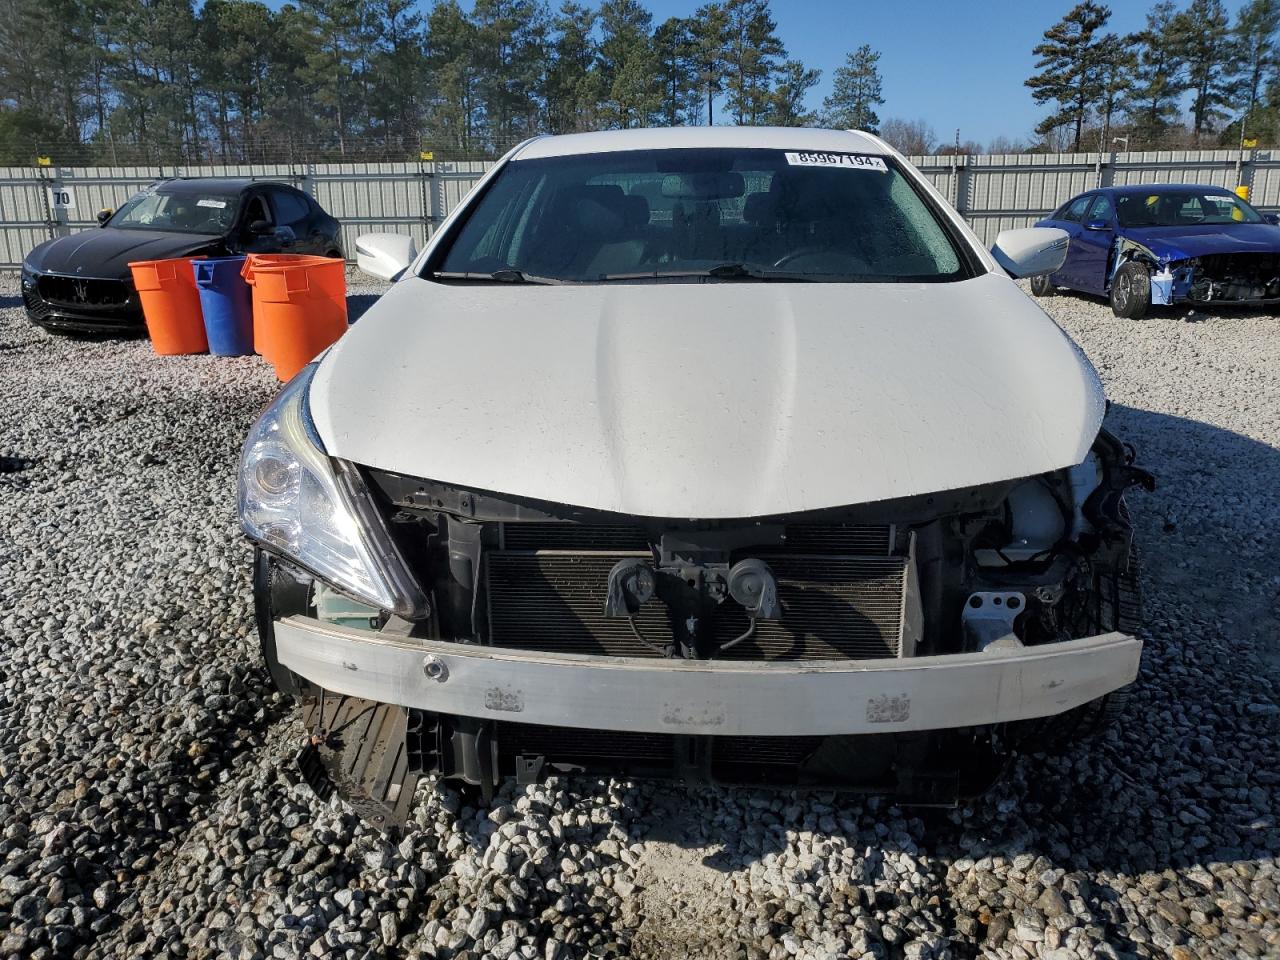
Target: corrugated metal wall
367 197
996 192
991 192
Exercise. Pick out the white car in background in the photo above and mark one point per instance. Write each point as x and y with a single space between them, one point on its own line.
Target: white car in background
722 454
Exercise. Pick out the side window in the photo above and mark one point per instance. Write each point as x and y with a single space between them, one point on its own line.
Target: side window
291 208
1101 209
256 209
1075 210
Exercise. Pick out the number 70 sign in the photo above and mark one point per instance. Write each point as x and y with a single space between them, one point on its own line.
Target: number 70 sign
62 198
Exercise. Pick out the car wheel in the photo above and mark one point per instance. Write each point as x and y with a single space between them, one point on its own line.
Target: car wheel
1118 607
1042 286
1131 291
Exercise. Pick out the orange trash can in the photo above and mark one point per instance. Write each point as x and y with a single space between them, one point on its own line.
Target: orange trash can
299 307
171 305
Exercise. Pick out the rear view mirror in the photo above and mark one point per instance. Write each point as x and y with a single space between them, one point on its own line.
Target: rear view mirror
104 216
1273 218
1031 251
1097 225
703 185
385 255
260 228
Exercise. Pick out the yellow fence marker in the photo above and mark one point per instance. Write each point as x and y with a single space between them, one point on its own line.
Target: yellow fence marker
1242 192
44 162
427 155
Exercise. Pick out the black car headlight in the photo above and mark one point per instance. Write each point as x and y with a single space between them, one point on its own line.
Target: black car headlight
28 278
297 502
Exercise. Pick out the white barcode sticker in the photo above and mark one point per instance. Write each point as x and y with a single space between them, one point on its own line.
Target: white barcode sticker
216 204
850 161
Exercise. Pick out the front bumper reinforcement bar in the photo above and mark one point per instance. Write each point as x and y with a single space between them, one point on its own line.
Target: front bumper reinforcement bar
701 697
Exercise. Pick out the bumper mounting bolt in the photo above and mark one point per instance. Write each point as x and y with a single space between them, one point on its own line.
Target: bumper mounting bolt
435 669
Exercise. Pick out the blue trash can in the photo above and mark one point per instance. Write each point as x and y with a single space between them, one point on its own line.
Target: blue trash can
227 305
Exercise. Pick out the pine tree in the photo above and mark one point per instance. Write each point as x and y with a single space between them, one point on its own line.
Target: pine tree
451 57
1116 63
1158 79
1200 35
751 54
398 72
1068 67
711 36
233 58
573 87
676 49
510 52
791 84
856 92
628 66
1254 39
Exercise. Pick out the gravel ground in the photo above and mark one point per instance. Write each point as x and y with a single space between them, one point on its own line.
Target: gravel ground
144 813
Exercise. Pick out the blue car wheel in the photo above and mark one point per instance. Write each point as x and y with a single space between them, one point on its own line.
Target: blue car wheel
1131 291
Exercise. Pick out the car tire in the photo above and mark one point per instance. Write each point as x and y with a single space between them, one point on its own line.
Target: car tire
1123 598
1042 286
1131 291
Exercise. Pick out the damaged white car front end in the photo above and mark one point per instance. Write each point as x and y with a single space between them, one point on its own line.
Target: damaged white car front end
660 460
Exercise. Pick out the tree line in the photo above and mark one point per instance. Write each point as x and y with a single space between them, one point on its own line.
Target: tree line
170 81
1191 77
122 81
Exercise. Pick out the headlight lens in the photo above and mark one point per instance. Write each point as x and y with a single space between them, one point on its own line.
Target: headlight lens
297 502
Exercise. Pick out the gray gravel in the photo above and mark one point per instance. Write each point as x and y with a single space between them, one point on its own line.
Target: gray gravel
143 810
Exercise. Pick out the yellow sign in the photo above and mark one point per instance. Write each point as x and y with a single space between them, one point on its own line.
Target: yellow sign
1250 143
43 162
427 155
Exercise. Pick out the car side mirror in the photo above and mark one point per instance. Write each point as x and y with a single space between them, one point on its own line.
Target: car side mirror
385 255
1097 225
1031 251
1273 218
260 228
104 216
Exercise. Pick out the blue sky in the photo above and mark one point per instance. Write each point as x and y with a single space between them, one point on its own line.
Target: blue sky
950 63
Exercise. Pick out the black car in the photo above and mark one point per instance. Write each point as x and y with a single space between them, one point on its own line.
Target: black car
82 282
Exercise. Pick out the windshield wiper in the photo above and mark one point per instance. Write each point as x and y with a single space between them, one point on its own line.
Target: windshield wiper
723 271
505 275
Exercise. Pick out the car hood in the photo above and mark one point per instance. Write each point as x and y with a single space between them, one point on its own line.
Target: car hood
1181 243
107 252
711 400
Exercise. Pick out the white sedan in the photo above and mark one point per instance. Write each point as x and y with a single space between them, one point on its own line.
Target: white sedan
722 454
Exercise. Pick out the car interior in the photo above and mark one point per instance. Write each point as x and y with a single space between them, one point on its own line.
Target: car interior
802 220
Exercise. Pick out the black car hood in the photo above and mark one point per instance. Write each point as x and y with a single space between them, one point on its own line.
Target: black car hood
107 252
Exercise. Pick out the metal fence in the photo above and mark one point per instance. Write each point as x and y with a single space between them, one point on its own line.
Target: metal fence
37 203
991 192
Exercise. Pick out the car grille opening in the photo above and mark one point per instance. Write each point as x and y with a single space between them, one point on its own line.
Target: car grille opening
834 606
753 760
77 292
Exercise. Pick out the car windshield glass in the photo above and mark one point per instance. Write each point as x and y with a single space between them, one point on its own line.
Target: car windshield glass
1183 208
211 213
703 215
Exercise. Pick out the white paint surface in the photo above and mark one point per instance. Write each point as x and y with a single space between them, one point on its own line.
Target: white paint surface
727 698
62 198
708 400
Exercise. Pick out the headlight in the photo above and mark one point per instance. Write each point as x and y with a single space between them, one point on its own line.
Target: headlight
297 502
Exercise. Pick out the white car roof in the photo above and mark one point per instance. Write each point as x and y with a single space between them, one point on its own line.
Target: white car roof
660 138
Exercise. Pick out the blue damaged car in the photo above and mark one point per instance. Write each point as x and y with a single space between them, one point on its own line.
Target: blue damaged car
1166 244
